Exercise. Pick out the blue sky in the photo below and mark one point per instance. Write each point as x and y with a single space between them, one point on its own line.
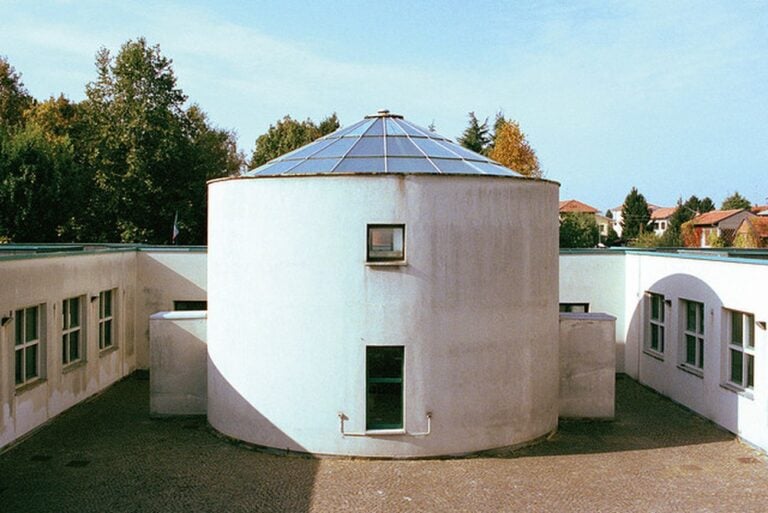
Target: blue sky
670 96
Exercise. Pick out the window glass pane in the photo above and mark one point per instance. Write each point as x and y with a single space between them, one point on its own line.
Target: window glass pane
74 312
355 129
690 350
434 149
661 338
700 312
737 323
188 305
314 166
368 147
409 165
749 334
385 362
338 149
690 316
654 306
74 346
19 366
31 362
454 166
361 165
393 128
19 327
750 371
377 128
65 348
654 337
410 129
65 314
384 406
31 323
402 147
492 169
737 366
275 168
700 342
108 333
308 150
385 243
107 303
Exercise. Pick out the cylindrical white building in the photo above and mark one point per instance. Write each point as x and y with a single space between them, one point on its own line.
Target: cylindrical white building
383 292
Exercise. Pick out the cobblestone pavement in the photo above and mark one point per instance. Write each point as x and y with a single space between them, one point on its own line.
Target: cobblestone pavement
108 455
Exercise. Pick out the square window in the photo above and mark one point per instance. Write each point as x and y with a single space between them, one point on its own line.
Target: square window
384 387
386 243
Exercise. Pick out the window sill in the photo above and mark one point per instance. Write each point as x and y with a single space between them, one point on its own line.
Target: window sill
107 350
26 387
744 392
691 370
70 367
654 354
385 432
393 263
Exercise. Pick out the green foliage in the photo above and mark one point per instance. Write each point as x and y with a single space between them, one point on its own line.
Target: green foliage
635 216
735 201
612 239
673 236
609 214
14 97
647 240
578 230
287 135
716 241
476 136
39 186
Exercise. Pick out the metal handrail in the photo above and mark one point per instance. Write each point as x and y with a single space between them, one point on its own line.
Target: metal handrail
343 417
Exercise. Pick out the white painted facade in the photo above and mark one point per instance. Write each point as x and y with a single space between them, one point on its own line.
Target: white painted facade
140 280
722 285
293 306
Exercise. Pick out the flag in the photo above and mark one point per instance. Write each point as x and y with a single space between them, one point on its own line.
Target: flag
175 228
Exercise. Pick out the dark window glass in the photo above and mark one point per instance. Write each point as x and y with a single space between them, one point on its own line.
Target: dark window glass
19 327
31 362
737 366
19 366
384 387
690 349
183 306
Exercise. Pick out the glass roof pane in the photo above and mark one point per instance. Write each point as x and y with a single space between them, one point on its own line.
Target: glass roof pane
432 148
401 146
358 129
409 129
338 149
493 169
352 129
377 128
409 165
454 166
309 149
368 147
461 150
393 128
314 166
360 165
274 168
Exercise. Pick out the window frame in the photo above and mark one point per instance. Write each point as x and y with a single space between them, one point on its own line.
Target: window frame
68 331
25 345
698 334
370 424
106 319
746 348
372 258
656 323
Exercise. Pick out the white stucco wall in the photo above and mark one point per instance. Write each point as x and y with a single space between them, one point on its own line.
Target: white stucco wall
292 307
587 365
47 281
178 363
597 278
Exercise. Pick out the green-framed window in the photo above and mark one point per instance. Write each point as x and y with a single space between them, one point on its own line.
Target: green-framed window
741 349
106 319
693 334
71 330
384 387
27 346
656 322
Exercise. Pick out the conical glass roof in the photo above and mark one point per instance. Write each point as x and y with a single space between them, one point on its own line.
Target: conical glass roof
382 143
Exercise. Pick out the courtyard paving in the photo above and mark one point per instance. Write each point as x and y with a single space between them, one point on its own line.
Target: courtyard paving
107 455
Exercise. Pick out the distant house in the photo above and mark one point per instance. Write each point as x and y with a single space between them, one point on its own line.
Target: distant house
760 210
660 218
717 223
752 232
577 207
618 215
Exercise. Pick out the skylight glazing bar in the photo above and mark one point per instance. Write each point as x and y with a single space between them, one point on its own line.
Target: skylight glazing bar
417 147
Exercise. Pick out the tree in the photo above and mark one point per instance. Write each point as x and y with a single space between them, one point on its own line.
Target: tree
609 214
38 186
287 135
511 149
635 215
475 137
693 206
578 230
735 201
14 97
647 240
149 157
